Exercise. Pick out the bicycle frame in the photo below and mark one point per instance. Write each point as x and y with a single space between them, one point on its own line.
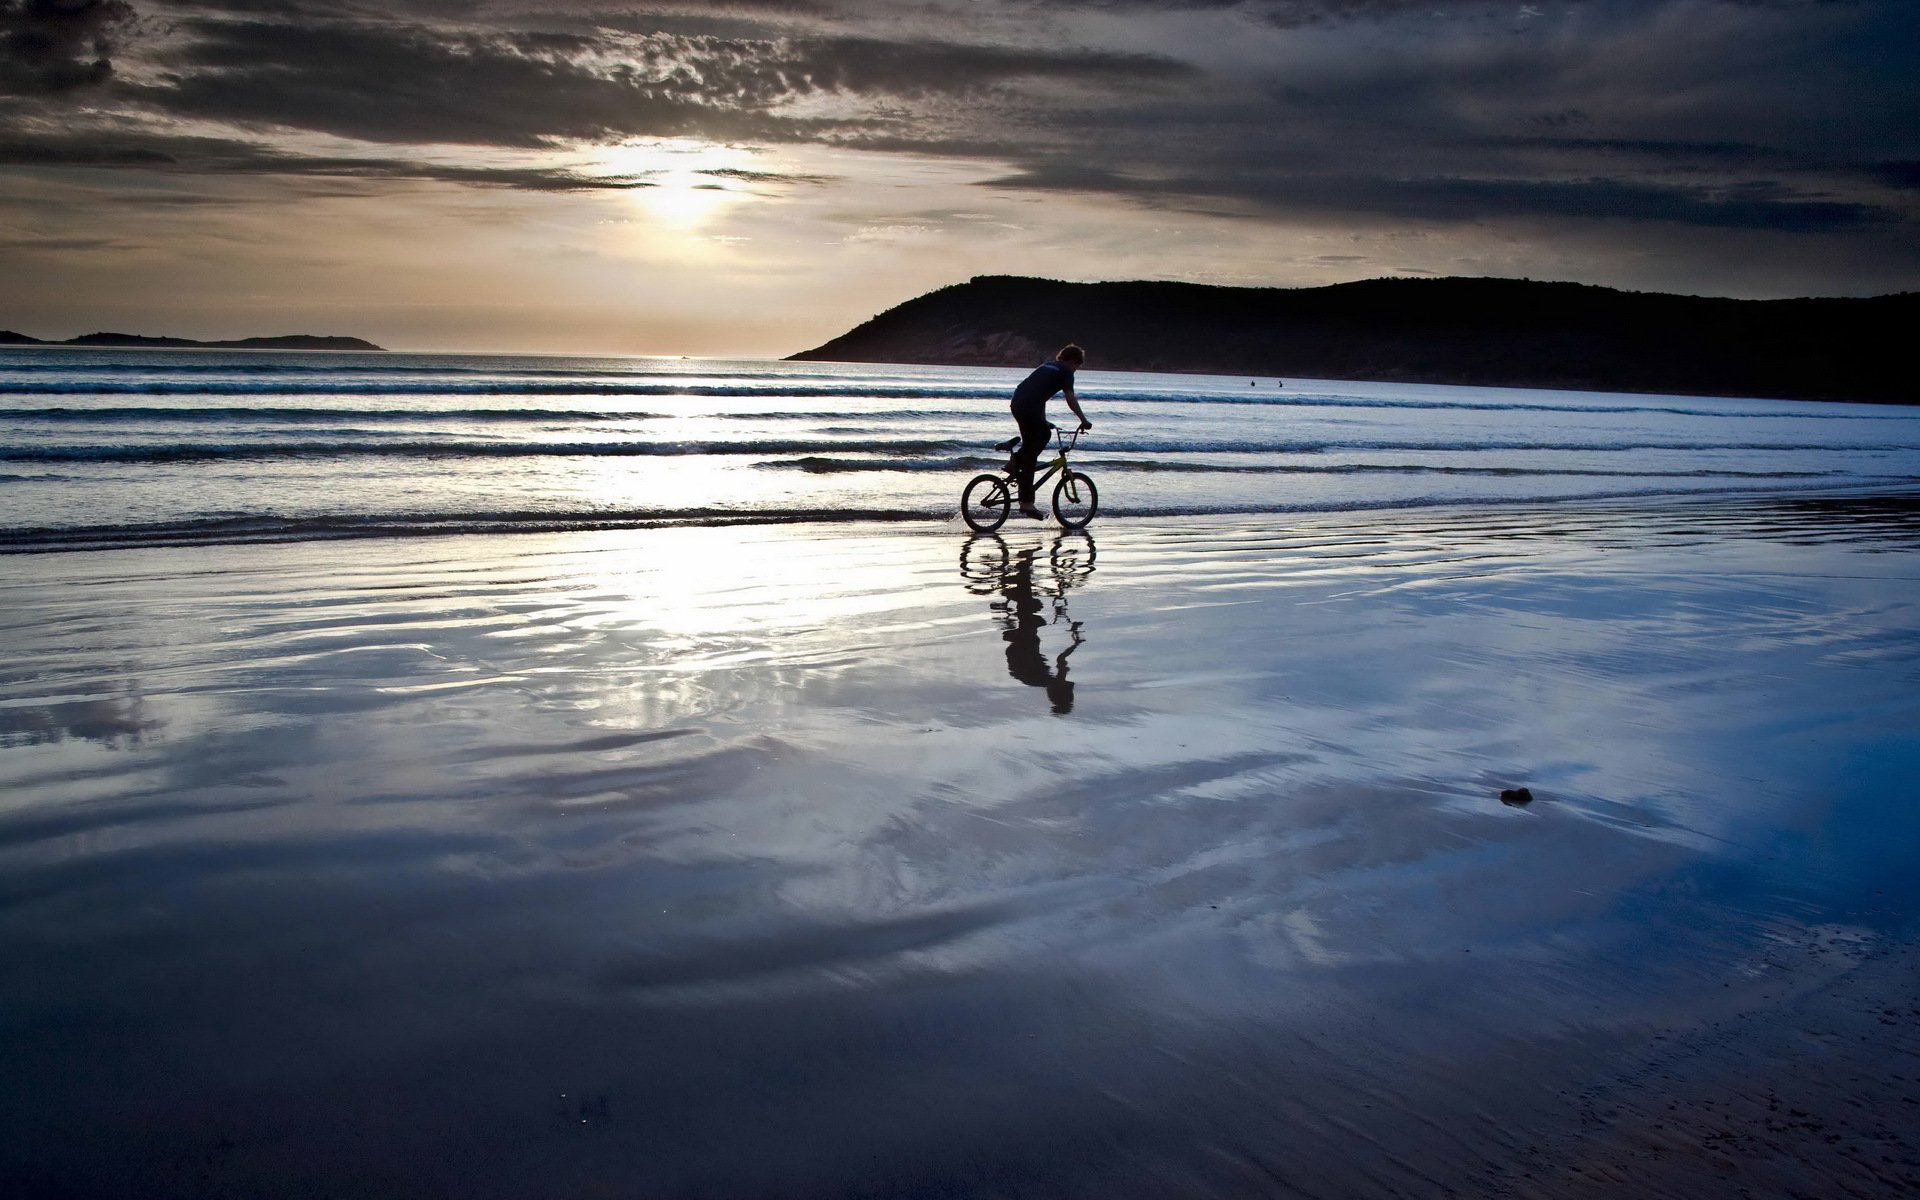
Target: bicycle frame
1059 462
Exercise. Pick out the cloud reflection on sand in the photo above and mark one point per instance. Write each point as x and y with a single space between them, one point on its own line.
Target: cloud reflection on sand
787 831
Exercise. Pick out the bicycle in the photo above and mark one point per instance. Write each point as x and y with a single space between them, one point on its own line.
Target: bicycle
986 560
988 498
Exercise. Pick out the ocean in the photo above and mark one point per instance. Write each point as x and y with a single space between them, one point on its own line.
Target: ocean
106 448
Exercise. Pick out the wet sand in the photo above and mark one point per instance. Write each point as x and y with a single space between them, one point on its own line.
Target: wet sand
835 861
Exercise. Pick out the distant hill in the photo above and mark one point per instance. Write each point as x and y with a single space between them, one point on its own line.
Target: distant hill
1503 332
291 341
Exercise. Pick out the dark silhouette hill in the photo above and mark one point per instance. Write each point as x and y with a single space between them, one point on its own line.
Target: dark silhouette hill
1503 332
291 341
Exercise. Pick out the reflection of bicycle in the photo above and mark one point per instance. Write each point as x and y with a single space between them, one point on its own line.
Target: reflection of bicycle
1021 600
986 562
1072 557
984 559
988 498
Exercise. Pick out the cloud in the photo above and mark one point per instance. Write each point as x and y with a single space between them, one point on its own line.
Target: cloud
1173 87
1752 205
55 46
743 175
51 245
1786 118
397 82
412 84
217 156
54 153
1758 205
1905 175
1694 113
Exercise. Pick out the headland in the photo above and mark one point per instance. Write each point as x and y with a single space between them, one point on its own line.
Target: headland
1487 332
290 341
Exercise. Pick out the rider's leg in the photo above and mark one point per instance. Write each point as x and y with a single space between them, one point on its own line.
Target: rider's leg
1033 441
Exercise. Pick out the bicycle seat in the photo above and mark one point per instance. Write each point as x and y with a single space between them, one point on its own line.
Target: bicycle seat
1009 444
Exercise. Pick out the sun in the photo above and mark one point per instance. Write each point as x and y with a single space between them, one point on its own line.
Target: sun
686 182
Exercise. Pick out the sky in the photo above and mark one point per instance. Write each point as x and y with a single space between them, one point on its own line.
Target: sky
754 177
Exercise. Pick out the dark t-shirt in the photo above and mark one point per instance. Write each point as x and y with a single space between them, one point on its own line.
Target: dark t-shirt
1048 380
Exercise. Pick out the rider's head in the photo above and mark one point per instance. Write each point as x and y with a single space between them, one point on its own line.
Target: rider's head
1072 355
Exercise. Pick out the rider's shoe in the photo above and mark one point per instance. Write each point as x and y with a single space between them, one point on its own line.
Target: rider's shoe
1028 510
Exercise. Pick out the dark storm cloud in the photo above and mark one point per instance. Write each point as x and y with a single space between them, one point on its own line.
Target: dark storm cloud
924 68
1298 13
1755 205
53 46
1724 153
1904 175
1785 115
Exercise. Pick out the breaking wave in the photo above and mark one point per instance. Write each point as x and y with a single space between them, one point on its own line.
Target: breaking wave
779 387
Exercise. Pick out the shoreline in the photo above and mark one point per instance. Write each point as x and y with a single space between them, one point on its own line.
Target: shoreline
275 530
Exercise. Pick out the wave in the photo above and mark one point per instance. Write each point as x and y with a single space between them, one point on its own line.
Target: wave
230 415
455 387
817 464
784 387
332 365
890 418
242 530
268 529
901 450
420 449
241 414
825 465
1309 400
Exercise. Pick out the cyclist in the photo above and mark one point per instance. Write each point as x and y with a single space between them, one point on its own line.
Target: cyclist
1048 380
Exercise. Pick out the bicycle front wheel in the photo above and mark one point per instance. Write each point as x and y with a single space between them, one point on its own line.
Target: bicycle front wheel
1075 500
984 503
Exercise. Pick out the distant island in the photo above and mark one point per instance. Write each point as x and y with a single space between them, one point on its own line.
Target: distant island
291 341
1499 332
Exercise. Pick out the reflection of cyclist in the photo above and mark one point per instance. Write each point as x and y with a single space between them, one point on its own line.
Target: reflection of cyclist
1048 380
1025 660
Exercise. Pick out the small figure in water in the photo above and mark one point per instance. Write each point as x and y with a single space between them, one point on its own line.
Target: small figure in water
1048 380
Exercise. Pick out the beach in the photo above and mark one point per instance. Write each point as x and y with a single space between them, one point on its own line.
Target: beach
865 858
535 665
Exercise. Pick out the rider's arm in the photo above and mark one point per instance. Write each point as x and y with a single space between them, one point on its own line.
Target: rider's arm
1074 404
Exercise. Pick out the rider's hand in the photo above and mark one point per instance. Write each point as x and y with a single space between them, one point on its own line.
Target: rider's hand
1085 424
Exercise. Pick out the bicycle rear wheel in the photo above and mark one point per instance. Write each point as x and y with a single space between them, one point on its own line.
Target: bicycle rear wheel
1075 500
985 502
984 562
